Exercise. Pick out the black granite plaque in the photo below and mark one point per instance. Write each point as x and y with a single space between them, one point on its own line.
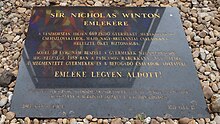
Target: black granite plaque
107 62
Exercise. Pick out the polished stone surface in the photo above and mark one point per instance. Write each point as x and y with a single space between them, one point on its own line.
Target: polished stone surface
73 66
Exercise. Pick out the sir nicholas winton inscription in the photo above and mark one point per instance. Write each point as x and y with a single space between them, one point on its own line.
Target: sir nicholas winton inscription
107 15
107 62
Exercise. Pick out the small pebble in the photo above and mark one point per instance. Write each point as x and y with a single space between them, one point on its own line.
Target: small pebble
89 117
1 48
98 3
215 103
10 115
116 121
21 10
3 101
197 38
207 92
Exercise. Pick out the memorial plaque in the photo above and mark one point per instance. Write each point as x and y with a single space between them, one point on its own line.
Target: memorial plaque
107 62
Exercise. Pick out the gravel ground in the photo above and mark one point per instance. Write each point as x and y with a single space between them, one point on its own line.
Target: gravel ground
201 22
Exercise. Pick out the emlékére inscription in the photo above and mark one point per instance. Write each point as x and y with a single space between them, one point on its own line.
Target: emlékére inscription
107 62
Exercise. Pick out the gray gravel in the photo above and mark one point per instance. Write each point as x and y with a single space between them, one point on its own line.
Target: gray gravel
201 22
